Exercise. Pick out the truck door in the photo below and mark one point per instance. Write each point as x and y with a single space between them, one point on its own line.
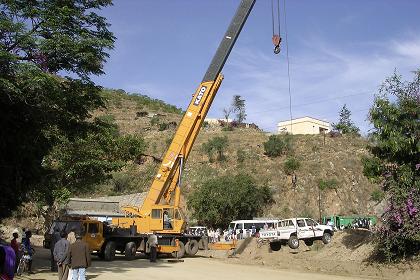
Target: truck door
178 220
313 230
156 219
302 229
94 235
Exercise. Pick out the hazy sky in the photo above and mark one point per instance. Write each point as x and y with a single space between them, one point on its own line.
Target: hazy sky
340 52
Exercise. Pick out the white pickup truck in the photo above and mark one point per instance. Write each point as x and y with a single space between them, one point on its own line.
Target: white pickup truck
290 231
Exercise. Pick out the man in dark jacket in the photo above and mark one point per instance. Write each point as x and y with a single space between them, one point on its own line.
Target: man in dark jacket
61 250
79 258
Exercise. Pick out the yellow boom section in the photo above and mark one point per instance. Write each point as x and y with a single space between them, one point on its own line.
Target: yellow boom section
166 180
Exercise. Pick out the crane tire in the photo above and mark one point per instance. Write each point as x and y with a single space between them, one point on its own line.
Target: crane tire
109 252
191 247
130 251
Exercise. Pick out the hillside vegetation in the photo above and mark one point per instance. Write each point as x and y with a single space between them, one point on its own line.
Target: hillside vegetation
338 161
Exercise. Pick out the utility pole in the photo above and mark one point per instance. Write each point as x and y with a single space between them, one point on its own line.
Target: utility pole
319 204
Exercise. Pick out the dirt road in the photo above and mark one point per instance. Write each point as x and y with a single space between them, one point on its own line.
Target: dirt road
192 268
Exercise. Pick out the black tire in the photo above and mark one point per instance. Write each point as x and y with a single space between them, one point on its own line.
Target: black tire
191 247
326 238
109 252
101 255
130 251
309 242
293 242
180 254
275 246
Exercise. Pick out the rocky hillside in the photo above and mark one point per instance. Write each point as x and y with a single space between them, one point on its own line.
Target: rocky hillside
338 160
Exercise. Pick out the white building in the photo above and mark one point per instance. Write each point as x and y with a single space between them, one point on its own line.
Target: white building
214 121
305 125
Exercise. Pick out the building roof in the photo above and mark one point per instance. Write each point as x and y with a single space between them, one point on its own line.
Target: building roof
303 119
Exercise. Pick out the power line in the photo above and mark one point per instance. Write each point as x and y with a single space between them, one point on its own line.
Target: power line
288 66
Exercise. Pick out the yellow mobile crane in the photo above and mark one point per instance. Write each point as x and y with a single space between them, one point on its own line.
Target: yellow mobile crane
160 211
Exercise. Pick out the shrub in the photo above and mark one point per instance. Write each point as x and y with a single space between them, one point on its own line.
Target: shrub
240 155
155 120
163 126
377 195
327 184
217 145
290 165
278 145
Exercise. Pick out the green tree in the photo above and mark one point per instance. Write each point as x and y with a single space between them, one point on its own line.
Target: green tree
39 109
345 124
216 145
395 158
238 105
78 165
219 201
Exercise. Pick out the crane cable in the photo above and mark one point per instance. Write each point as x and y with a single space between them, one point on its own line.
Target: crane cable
288 66
276 37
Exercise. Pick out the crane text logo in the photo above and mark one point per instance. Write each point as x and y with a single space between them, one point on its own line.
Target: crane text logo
200 95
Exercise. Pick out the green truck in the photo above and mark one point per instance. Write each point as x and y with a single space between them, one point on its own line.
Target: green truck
354 221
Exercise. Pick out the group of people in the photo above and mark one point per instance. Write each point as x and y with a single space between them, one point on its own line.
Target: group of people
72 256
10 254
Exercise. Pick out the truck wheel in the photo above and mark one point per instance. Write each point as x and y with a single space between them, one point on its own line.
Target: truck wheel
191 247
180 254
293 242
275 246
130 251
326 237
109 253
309 242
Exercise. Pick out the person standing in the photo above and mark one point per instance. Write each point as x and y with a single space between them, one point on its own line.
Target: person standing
28 248
71 237
55 237
60 253
79 258
15 246
153 243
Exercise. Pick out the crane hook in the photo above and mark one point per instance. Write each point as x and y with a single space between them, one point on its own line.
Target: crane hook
276 42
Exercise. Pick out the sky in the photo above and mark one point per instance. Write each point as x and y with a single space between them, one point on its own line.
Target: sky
340 52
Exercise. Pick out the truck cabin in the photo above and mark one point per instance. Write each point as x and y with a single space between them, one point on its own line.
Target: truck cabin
164 217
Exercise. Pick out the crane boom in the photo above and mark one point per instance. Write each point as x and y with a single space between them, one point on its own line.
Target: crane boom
168 176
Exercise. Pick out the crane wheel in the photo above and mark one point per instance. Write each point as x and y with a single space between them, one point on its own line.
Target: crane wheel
191 247
130 251
180 254
109 252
